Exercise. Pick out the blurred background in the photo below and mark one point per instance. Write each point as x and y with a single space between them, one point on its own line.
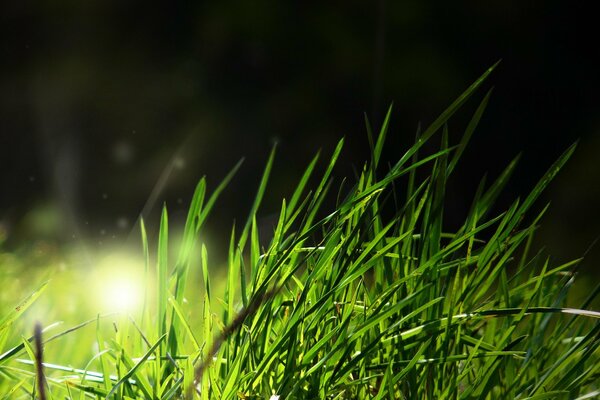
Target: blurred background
110 108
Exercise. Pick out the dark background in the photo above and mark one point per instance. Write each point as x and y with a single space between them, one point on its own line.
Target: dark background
110 108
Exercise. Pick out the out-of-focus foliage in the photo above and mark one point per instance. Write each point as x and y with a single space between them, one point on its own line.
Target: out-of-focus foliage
102 102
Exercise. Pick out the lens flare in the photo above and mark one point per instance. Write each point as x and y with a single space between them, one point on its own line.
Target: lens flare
119 283
122 295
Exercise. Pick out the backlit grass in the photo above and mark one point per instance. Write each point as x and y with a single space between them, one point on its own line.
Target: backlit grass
373 298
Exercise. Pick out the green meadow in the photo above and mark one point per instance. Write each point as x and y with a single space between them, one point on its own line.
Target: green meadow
360 291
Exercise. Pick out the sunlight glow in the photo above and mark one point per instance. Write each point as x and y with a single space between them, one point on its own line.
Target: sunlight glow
122 295
119 284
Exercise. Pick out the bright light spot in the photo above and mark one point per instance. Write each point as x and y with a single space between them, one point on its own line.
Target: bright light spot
119 282
122 295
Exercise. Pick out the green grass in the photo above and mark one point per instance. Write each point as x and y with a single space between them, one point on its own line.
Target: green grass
373 298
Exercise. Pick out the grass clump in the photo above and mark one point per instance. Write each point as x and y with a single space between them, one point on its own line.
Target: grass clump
356 302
